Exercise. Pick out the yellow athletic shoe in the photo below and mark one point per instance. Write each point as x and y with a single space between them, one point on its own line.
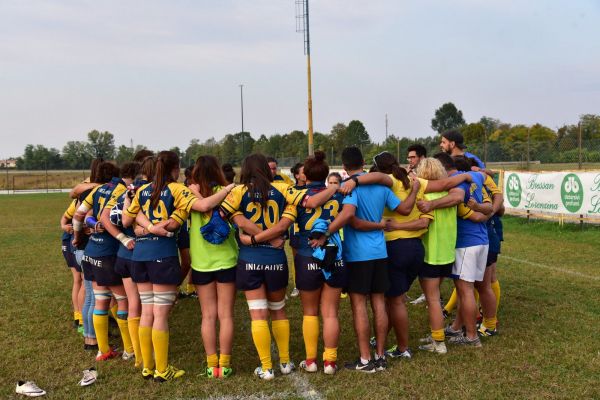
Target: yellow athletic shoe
147 373
169 374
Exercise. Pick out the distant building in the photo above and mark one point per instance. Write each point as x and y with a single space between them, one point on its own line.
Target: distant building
9 163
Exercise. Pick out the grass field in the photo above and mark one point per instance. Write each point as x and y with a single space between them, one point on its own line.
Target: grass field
547 347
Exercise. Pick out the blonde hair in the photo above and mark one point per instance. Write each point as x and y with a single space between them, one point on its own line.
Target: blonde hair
431 169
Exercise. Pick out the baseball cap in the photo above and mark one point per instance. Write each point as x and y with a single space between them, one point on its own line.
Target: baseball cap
456 137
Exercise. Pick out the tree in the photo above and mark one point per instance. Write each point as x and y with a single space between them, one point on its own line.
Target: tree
124 154
473 133
447 117
40 157
102 144
77 155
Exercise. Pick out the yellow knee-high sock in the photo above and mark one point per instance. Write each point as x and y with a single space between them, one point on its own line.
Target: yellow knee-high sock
124 329
212 360
281 332
78 317
133 324
100 319
496 290
438 335
476 296
451 304
190 288
225 360
330 354
310 331
113 311
160 342
262 341
145 335
490 323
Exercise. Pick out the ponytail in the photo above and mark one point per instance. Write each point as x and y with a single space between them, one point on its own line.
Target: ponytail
387 163
166 162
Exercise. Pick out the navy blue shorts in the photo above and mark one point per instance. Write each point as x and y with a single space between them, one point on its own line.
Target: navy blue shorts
405 259
69 256
164 271
366 277
250 276
88 271
435 271
123 267
492 257
310 277
221 276
103 269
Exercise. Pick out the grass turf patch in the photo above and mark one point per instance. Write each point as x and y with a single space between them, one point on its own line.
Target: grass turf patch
547 347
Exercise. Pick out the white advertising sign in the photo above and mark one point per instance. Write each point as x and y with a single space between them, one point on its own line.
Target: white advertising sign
553 192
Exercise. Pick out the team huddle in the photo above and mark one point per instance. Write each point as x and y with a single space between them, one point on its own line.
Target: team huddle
134 234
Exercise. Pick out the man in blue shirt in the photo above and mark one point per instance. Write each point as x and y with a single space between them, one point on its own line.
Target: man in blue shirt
453 143
365 255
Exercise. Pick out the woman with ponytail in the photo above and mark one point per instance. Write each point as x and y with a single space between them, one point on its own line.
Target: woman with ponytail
262 270
213 271
156 269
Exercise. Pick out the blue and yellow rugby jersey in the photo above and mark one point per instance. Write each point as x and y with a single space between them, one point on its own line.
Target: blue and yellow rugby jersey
471 233
281 203
305 217
68 214
175 202
102 244
119 199
280 177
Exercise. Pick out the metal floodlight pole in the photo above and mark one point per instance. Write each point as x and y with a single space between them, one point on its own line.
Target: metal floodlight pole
303 25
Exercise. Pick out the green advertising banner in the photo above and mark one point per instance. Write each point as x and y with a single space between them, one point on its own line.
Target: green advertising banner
553 192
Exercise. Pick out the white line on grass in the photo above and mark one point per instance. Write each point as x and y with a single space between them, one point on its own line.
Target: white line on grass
303 387
257 396
556 269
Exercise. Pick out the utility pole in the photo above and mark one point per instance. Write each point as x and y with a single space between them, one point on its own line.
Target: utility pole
579 145
242 110
386 127
303 25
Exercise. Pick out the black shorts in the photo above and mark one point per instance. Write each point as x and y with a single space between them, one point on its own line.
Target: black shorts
221 276
164 271
250 276
405 258
492 257
435 271
310 277
103 268
123 267
69 256
366 277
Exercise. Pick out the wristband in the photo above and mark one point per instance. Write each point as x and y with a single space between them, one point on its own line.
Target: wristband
77 225
253 240
355 179
124 239
149 227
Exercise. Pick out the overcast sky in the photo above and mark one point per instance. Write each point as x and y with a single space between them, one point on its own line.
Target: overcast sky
164 72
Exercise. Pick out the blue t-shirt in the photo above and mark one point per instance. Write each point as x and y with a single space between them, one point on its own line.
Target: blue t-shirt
480 163
369 200
471 233
306 216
